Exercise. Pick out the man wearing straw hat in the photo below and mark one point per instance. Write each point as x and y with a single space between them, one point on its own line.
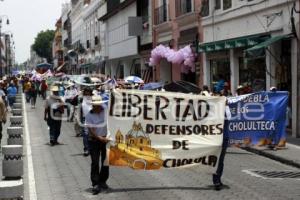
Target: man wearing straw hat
54 108
96 122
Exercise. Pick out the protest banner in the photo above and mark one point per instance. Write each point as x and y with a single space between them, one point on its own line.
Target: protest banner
153 130
258 119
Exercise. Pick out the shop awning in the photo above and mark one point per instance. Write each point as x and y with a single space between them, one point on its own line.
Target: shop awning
268 42
246 41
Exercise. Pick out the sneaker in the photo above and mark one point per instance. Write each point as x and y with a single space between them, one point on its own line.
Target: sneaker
218 186
52 143
96 190
103 186
86 153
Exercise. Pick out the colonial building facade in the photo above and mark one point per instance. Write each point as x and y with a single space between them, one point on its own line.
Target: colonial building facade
253 43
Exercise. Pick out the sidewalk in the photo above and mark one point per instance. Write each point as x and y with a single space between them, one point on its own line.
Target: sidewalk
289 156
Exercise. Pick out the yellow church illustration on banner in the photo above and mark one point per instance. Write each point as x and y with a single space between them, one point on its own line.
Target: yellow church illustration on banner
134 150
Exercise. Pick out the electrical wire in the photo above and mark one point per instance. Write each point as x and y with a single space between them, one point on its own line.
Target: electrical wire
260 22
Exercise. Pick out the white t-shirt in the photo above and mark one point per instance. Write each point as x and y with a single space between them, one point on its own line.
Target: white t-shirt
53 102
86 106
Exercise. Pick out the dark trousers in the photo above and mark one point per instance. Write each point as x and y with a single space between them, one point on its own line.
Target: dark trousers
98 175
217 176
54 126
33 99
43 93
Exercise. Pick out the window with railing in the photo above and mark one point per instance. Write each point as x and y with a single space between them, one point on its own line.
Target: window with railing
145 14
88 44
217 4
112 4
183 7
227 4
204 8
160 14
96 40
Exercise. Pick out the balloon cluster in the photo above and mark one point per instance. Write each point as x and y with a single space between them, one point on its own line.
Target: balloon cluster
184 56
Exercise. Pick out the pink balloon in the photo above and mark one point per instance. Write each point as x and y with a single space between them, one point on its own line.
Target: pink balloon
184 55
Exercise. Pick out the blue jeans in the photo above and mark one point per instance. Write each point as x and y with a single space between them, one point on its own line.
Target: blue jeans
85 137
11 100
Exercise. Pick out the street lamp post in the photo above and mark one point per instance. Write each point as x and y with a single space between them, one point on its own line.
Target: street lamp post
7 22
9 44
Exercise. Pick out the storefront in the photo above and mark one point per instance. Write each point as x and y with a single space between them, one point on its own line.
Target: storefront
254 62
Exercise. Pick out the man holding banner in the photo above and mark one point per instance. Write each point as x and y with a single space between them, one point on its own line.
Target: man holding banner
217 176
97 129
154 130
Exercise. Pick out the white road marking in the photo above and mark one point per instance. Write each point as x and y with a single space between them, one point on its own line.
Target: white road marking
31 179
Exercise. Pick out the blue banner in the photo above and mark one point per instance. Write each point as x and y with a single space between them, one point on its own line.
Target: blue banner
258 119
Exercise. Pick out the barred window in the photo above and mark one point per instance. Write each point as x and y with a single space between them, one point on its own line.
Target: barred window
217 4
227 4
205 8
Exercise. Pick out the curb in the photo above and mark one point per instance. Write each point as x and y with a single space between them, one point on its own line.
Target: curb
273 157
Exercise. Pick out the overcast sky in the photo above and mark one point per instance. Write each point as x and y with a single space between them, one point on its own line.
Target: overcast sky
27 18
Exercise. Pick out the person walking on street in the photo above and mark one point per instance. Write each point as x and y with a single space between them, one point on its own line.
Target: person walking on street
2 94
84 110
54 108
26 88
43 89
71 96
33 95
2 117
96 123
219 172
11 94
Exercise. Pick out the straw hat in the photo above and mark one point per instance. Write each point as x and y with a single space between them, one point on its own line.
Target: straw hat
97 100
240 87
69 84
54 88
273 89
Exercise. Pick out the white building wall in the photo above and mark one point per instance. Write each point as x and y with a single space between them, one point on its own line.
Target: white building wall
64 17
102 29
119 43
77 22
247 18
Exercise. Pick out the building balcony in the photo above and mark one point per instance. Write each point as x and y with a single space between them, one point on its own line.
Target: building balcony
160 15
184 6
161 20
185 12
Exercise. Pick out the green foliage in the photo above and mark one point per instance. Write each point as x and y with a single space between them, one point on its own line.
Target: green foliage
43 44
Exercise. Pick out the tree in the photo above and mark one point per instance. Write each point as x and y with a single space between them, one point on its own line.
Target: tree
43 44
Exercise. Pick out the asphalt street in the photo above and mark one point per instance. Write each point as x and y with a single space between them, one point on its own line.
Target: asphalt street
62 172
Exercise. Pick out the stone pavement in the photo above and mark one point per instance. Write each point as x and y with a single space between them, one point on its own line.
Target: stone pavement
61 172
288 155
